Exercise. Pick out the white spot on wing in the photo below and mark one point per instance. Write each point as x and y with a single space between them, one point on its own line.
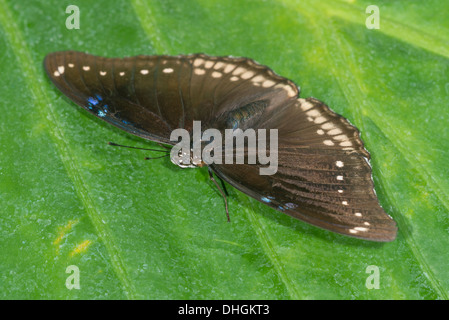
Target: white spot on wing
86 68
200 71
258 78
290 91
328 126
198 62
247 74
333 132
219 65
313 113
320 120
209 64
339 164
267 83
145 71
61 69
306 105
238 71
167 70
341 137
229 68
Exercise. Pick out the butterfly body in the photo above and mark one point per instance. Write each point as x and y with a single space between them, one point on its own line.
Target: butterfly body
323 175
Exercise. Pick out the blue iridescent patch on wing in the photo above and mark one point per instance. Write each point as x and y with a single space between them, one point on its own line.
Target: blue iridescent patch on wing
291 205
97 107
264 199
92 101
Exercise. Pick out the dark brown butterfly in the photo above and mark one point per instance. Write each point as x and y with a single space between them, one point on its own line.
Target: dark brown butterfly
323 176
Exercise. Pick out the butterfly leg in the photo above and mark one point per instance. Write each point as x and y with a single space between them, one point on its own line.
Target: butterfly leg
223 186
211 176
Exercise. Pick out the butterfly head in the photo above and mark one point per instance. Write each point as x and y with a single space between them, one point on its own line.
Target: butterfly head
193 160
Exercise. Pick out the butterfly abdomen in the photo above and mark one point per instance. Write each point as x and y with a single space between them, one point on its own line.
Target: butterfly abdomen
241 117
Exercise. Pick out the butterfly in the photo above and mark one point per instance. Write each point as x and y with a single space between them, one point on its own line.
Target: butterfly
323 175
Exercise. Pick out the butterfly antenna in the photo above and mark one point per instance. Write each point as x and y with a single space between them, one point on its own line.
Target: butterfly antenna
120 145
151 158
211 176
223 186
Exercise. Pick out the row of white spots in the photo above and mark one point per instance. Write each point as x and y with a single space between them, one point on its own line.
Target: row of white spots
329 128
60 70
340 164
357 229
313 115
219 68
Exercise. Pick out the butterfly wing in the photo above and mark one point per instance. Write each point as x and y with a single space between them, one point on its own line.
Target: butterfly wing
323 176
149 96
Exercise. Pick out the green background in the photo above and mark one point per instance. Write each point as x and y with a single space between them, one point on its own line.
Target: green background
149 230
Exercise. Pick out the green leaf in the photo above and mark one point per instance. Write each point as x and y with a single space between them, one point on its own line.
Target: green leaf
149 230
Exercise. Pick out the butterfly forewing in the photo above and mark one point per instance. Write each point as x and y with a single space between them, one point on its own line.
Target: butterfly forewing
323 175
168 90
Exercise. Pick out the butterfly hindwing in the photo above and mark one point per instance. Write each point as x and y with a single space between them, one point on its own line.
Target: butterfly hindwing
326 184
